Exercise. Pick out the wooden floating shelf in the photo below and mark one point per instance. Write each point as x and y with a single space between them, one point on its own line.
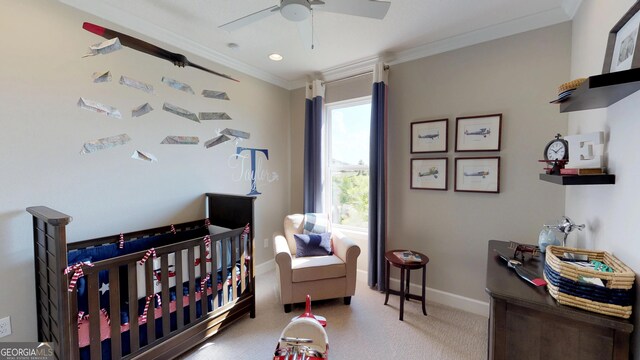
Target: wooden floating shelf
604 179
600 91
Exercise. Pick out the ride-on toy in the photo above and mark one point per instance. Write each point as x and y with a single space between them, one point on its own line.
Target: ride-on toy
304 338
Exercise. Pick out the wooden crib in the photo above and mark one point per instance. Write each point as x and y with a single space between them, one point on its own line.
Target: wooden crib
201 296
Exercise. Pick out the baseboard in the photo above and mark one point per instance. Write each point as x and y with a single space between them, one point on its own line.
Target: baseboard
438 296
445 298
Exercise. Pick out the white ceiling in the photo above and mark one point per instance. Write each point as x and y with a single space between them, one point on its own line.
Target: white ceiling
344 44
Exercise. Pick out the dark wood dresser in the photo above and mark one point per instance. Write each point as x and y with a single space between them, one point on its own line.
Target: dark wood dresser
525 322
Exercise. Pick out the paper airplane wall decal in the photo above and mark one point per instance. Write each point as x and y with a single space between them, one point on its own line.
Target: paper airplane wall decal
143 46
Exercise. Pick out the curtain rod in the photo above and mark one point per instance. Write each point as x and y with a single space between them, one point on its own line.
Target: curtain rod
386 67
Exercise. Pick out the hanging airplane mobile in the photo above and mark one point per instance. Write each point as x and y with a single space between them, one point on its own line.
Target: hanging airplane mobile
147 48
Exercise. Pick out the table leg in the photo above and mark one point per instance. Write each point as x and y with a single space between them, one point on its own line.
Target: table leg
402 292
424 274
386 282
407 288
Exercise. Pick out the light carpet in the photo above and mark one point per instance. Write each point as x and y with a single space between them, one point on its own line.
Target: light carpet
366 329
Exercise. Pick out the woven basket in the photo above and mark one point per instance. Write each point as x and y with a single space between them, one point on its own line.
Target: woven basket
614 299
573 84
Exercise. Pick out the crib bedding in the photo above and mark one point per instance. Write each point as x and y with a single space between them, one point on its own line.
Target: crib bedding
105 320
107 251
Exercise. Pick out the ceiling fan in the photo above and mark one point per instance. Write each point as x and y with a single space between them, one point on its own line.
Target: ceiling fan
301 11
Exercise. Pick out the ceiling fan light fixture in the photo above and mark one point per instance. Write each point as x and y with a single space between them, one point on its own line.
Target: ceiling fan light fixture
295 10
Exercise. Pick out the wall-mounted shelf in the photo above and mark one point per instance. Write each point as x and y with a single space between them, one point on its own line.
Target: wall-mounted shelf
604 179
600 91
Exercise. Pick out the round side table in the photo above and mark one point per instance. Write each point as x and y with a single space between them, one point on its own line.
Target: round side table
405 268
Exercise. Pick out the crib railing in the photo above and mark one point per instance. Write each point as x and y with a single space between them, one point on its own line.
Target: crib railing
57 308
230 242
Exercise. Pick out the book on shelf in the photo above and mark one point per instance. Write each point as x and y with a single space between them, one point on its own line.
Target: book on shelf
585 171
408 256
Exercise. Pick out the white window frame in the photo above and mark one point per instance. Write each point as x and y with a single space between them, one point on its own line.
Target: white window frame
328 167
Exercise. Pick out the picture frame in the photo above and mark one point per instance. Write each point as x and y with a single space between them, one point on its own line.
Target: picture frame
478 133
429 136
477 174
623 44
429 174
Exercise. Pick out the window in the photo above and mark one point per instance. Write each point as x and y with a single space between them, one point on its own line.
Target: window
347 160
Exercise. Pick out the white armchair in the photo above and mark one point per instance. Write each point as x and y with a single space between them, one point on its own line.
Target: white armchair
321 277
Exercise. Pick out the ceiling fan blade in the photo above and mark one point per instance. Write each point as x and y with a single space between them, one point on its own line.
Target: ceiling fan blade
251 18
145 47
366 8
305 29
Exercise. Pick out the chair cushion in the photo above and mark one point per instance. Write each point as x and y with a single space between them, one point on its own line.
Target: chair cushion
316 223
313 244
317 267
295 224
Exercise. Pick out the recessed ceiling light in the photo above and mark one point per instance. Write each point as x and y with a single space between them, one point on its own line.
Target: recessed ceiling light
275 57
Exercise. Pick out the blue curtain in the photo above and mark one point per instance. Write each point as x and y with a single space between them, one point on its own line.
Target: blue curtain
312 181
378 179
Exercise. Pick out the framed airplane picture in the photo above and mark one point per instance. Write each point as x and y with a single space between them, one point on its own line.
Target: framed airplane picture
478 133
429 136
477 174
429 174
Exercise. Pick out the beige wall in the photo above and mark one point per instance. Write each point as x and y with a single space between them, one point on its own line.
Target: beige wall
610 211
516 76
43 75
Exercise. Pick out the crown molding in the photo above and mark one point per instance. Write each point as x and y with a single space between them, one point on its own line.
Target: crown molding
124 19
527 23
523 24
571 7
542 19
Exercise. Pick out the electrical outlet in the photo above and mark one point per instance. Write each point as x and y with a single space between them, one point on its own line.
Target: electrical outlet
266 243
5 326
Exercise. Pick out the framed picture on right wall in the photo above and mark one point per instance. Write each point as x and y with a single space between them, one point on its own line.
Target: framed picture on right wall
622 51
478 133
477 174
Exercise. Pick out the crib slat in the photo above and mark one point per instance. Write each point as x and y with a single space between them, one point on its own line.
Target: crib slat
214 273
151 313
234 281
134 329
192 284
243 260
166 299
114 313
73 333
179 291
225 264
94 314
204 303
